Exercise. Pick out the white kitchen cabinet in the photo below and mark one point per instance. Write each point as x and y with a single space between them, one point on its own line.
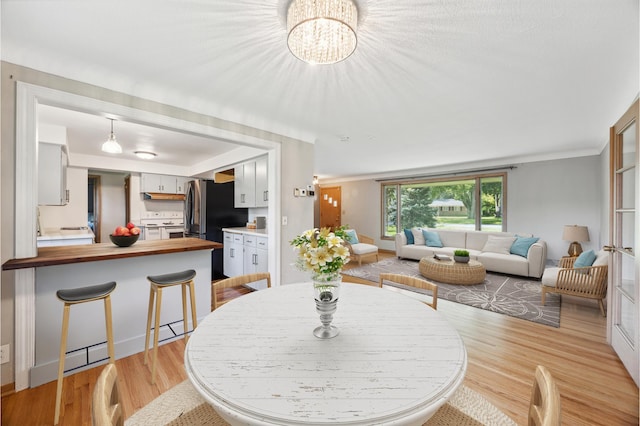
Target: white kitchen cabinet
251 184
244 177
232 254
52 174
164 184
181 183
262 183
255 258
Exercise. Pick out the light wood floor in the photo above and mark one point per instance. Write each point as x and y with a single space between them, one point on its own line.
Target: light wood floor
502 354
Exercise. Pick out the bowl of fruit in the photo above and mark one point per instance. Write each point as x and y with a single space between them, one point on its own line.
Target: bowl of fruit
125 236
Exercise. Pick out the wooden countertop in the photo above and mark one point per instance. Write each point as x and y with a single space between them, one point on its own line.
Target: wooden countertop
63 255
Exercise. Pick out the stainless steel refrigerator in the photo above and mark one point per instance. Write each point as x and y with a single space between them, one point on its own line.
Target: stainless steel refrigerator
208 208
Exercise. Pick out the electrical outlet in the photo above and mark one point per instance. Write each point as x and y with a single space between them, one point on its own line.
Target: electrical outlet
285 220
5 353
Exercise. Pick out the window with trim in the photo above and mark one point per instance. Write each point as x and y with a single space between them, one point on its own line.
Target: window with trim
469 202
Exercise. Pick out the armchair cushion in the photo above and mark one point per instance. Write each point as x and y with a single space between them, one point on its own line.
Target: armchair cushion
586 258
352 237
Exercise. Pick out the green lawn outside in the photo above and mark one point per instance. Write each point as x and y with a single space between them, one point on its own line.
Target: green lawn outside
464 222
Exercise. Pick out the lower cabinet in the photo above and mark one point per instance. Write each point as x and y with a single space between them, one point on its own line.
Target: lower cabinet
245 254
232 254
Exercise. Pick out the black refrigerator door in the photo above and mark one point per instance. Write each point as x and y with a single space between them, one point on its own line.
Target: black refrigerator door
221 213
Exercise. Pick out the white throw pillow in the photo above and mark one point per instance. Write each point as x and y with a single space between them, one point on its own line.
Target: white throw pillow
418 238
500 245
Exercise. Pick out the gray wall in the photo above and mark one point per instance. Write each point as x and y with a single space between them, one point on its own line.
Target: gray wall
542 197
296 158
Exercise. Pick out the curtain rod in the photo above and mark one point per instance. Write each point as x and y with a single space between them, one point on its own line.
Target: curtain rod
465 172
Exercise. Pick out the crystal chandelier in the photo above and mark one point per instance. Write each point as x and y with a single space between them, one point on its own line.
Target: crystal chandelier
322 31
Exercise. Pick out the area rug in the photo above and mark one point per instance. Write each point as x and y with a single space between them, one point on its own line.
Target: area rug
505 294
183 406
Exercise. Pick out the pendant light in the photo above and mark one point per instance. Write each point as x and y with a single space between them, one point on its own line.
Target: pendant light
111 145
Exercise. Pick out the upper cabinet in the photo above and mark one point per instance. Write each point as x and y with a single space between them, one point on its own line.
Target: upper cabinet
163 184
262 183
52 174
251 184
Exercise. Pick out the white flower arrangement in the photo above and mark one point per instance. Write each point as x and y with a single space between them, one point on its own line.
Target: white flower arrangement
321 251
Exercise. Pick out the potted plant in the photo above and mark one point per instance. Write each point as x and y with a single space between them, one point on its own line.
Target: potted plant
461 256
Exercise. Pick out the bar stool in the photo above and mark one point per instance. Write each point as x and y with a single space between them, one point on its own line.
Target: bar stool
73 296
158 282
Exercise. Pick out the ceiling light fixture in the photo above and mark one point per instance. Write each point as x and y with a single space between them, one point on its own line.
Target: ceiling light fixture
145 155
322 31
111 145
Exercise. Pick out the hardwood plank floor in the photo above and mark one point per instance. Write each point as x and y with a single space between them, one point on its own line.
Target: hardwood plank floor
502 354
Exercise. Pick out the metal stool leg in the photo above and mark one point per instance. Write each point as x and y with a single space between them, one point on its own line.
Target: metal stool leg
63 349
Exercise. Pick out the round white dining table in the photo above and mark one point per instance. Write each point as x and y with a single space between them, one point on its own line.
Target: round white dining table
257 362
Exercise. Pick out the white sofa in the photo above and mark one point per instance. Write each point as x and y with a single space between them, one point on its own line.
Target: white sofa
475 241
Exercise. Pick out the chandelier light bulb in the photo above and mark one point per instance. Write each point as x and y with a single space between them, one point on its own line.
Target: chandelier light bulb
112 146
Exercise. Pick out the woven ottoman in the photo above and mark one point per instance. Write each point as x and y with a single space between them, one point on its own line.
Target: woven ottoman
452 272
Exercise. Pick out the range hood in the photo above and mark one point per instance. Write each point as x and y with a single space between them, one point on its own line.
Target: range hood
163 196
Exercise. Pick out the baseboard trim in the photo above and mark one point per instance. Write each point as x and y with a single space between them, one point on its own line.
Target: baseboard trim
8 389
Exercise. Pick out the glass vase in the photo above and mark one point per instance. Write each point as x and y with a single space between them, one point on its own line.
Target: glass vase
326 290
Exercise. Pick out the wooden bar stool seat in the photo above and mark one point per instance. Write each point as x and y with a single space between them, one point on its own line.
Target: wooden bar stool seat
158 282
74 296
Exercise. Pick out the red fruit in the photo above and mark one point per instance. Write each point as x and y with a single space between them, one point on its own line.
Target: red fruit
120 230
130 225
135 231
126 233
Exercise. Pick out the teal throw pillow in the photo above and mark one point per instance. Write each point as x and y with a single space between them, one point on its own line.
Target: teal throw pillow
521 245
409 235
586 258
352 237
432 239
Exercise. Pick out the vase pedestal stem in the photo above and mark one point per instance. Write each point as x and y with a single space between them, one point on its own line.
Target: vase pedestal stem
326 309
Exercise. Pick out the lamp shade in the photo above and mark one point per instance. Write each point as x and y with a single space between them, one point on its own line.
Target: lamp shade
575 233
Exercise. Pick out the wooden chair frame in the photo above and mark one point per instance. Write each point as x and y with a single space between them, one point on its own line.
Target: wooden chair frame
589 282
106 409
544 407
414 282
235 282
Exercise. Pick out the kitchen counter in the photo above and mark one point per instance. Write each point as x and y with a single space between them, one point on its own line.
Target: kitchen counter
65 236
49 256
244 230
68 267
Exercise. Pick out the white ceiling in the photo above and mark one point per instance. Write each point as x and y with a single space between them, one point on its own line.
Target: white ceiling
432 83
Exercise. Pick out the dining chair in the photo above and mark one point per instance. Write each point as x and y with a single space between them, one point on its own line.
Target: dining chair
544 407
232 282
106 409
414 282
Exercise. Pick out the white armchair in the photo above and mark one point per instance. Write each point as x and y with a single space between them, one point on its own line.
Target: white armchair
364 247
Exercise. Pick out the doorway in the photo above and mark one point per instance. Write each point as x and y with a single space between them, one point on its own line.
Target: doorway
330 207
622 323
93 208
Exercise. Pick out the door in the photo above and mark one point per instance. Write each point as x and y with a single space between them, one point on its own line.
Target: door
623 317
330 207
93 213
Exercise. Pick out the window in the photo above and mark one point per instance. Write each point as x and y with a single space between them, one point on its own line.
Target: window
472 202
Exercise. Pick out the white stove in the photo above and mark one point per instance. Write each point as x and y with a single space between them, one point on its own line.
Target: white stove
162 225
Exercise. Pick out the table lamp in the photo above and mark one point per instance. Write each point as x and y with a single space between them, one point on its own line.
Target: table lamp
575 234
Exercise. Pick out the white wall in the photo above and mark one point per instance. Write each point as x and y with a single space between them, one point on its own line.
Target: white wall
74 213
542 197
